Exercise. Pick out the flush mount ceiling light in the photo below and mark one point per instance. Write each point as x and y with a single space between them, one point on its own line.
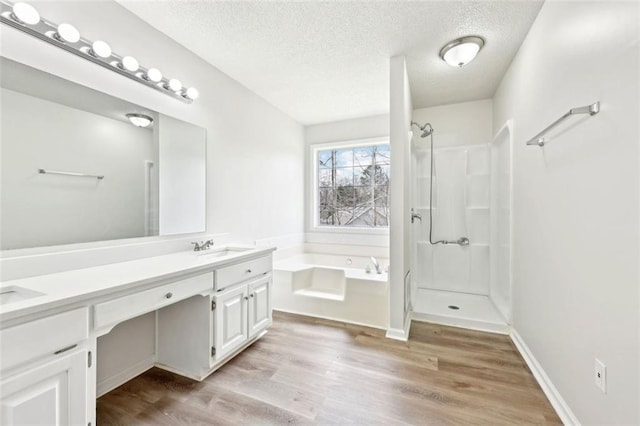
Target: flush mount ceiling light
461 51
24 17
140 120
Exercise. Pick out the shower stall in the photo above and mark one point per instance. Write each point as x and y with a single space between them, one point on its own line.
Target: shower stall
461 232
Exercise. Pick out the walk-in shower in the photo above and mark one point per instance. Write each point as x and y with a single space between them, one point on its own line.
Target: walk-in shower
460 255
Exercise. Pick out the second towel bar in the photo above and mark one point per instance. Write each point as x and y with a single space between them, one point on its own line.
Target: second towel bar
58 172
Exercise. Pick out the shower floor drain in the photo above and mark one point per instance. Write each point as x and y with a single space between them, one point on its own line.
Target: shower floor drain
454 307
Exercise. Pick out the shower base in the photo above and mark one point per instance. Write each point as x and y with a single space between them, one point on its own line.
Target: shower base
474 311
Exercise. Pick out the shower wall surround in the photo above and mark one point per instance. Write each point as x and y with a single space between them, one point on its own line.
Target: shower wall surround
461 201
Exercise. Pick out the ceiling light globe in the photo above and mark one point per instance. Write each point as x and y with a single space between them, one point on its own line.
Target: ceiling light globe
462 54
130 64
68 33
25 13
461 51
192 93
101 49
154 74
175 85
140 120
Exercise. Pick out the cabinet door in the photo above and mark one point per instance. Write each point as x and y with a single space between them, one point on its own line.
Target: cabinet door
230 318
50 393
259 305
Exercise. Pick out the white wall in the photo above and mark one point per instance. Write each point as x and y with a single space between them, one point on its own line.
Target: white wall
576 202
400 191
46 209
342 131
466 123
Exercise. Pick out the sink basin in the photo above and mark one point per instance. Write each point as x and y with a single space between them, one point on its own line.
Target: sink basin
12 294
222 251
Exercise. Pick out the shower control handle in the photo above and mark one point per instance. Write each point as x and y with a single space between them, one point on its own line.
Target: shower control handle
415 216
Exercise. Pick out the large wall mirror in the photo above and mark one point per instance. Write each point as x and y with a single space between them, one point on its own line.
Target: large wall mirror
75 169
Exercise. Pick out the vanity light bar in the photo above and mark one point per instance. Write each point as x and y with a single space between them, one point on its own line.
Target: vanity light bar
25 18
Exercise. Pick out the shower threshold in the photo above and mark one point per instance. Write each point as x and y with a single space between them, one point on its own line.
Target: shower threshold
471 311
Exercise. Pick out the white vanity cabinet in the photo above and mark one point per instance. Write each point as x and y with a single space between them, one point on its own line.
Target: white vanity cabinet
241 313
216 327
45 372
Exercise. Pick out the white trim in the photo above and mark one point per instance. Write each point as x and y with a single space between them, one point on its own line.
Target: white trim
312 212
401 334
554 397
486 326
326 317
110 383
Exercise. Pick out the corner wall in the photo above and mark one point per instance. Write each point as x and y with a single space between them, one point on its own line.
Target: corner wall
400 195
576 203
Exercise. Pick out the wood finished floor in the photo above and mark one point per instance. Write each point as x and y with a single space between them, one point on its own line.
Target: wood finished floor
311 371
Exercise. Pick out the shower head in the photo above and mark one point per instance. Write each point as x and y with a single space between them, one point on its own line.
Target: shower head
427 129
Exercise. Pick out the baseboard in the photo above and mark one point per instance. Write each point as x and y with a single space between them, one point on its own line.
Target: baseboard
489 327
109 384
554 397
401 333
326 317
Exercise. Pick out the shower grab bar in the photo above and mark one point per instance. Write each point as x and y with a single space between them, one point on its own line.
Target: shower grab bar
592 109
58 172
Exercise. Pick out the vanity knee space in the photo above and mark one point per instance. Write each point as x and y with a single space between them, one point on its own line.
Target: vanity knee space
200 334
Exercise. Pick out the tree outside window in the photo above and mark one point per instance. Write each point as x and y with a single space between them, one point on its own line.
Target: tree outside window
353 186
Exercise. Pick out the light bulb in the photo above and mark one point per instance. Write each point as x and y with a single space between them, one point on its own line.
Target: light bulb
192 93
25 14
100 49
67 33
130 63
174 84
154 74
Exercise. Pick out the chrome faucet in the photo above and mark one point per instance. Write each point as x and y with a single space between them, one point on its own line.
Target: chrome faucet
376 265
206 245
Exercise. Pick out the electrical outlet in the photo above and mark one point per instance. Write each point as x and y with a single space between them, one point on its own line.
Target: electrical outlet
600 375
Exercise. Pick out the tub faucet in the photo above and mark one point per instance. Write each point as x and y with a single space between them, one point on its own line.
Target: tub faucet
376 265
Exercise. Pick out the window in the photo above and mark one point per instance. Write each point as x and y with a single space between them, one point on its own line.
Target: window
352 186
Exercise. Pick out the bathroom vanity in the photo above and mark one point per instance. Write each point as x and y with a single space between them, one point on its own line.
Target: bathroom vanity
209 306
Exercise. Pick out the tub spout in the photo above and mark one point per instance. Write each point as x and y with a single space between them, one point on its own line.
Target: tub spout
376 265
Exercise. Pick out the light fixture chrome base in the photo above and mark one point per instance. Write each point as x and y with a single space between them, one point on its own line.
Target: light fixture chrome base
47 31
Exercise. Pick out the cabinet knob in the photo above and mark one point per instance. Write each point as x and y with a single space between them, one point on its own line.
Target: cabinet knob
168 295
246 298
251 294
248 271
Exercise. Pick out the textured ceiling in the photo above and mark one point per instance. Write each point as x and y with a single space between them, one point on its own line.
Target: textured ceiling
329 61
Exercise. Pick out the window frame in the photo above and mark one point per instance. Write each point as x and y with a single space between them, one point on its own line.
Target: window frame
314 215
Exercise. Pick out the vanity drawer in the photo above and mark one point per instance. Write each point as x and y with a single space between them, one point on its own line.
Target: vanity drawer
123 308
234 274
34 339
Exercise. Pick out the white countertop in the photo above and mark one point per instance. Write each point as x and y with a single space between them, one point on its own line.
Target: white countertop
73 286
